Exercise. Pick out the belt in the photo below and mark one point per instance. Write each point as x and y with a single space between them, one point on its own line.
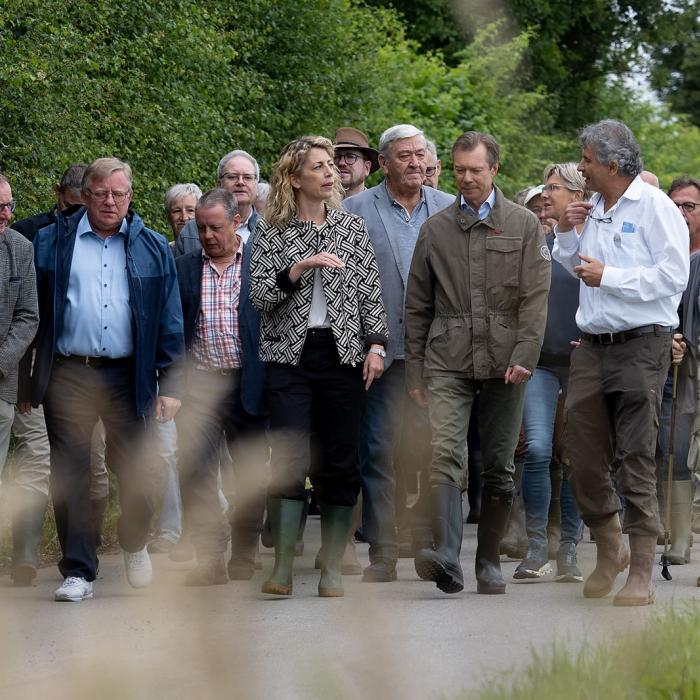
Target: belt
624 336
319 334
95 362
222 371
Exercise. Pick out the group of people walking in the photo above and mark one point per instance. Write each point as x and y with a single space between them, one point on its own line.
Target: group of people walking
319 336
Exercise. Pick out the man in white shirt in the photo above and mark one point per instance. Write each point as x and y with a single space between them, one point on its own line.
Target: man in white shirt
632 260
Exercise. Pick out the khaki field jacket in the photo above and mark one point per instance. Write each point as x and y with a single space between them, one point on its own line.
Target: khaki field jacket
476 301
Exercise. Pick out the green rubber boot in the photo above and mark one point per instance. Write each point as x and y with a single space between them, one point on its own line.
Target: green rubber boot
335 525
285 515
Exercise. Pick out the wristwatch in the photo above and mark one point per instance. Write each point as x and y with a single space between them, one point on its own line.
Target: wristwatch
378 351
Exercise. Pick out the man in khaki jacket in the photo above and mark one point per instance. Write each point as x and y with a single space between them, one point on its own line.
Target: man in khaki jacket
476 308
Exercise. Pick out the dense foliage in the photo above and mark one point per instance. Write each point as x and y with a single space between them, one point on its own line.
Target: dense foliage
171 85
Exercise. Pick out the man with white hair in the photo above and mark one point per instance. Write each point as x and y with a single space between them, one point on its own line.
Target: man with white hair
394 211
239 173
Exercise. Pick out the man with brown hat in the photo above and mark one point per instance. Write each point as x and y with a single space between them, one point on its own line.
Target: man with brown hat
354 159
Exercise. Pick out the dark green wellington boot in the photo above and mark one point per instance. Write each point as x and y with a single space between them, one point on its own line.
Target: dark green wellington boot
681 522
28 510
441 564
335 525
285 515
493 518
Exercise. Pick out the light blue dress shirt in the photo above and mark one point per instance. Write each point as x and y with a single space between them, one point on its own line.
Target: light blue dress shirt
97 316
484 209
407 229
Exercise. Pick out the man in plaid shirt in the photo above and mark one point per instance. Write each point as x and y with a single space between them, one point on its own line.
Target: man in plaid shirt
224 394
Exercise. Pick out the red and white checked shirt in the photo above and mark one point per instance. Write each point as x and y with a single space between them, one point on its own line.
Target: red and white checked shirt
217 338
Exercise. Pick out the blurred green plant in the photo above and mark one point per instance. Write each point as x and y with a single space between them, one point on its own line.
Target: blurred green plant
659 661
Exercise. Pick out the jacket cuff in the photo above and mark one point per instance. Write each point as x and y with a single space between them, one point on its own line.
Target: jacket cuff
376 339
414 375
526 354
284 283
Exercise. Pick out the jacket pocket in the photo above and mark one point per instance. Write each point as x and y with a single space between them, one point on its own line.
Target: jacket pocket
503 257
503 334
449 345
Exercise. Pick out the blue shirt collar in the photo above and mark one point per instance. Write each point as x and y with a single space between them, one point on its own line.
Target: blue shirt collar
398 204
84 226
484 209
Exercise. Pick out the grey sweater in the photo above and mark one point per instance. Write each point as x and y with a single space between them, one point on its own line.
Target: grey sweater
19 312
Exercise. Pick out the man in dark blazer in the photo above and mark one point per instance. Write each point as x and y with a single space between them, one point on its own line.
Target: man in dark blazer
223 396
394 211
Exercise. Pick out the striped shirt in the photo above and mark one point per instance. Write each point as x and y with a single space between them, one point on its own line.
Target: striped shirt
217 339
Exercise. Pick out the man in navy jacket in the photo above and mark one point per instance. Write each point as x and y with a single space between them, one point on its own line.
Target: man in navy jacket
224 394
109 336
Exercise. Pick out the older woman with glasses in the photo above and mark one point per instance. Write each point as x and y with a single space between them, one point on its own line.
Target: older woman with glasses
563 184
323 332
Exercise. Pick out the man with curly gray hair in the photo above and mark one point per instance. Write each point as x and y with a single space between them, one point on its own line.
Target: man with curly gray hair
631 257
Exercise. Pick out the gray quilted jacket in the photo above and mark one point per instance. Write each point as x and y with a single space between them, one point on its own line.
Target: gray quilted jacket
353 293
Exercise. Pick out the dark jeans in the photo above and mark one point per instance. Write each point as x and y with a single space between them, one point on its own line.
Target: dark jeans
212 409
611 422
335 390
379 434
412 467
75 398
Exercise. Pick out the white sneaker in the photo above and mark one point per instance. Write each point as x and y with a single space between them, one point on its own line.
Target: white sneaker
74 589
139 571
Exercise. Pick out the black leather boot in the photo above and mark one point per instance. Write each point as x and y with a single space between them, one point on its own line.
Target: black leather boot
441 565
493 519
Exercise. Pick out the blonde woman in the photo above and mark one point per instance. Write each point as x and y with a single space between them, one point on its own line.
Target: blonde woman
323 333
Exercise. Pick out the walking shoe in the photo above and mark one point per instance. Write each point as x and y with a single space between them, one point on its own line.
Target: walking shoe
534 565
182 551
160 546
139 570
380 571
74 589
567 565
210 571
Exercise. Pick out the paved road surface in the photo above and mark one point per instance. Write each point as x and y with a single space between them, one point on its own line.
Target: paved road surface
401 640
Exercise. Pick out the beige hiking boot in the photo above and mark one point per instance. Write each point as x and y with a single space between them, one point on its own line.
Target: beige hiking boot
613 556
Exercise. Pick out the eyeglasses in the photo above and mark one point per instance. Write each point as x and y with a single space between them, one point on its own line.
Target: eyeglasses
10 206
102 195
600 220
553 187
233 177
687 207
431 170
348 156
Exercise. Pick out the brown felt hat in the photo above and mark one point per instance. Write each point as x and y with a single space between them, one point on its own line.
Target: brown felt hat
347 137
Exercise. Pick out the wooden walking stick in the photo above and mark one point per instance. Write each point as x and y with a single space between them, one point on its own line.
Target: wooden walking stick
669 479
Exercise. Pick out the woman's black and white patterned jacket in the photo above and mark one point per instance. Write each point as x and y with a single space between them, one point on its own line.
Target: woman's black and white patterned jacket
353 293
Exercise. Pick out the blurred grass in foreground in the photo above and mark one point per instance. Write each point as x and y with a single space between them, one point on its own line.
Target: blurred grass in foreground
659 661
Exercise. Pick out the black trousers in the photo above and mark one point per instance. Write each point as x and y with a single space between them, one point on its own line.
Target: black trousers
212 409
76 397
335 390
